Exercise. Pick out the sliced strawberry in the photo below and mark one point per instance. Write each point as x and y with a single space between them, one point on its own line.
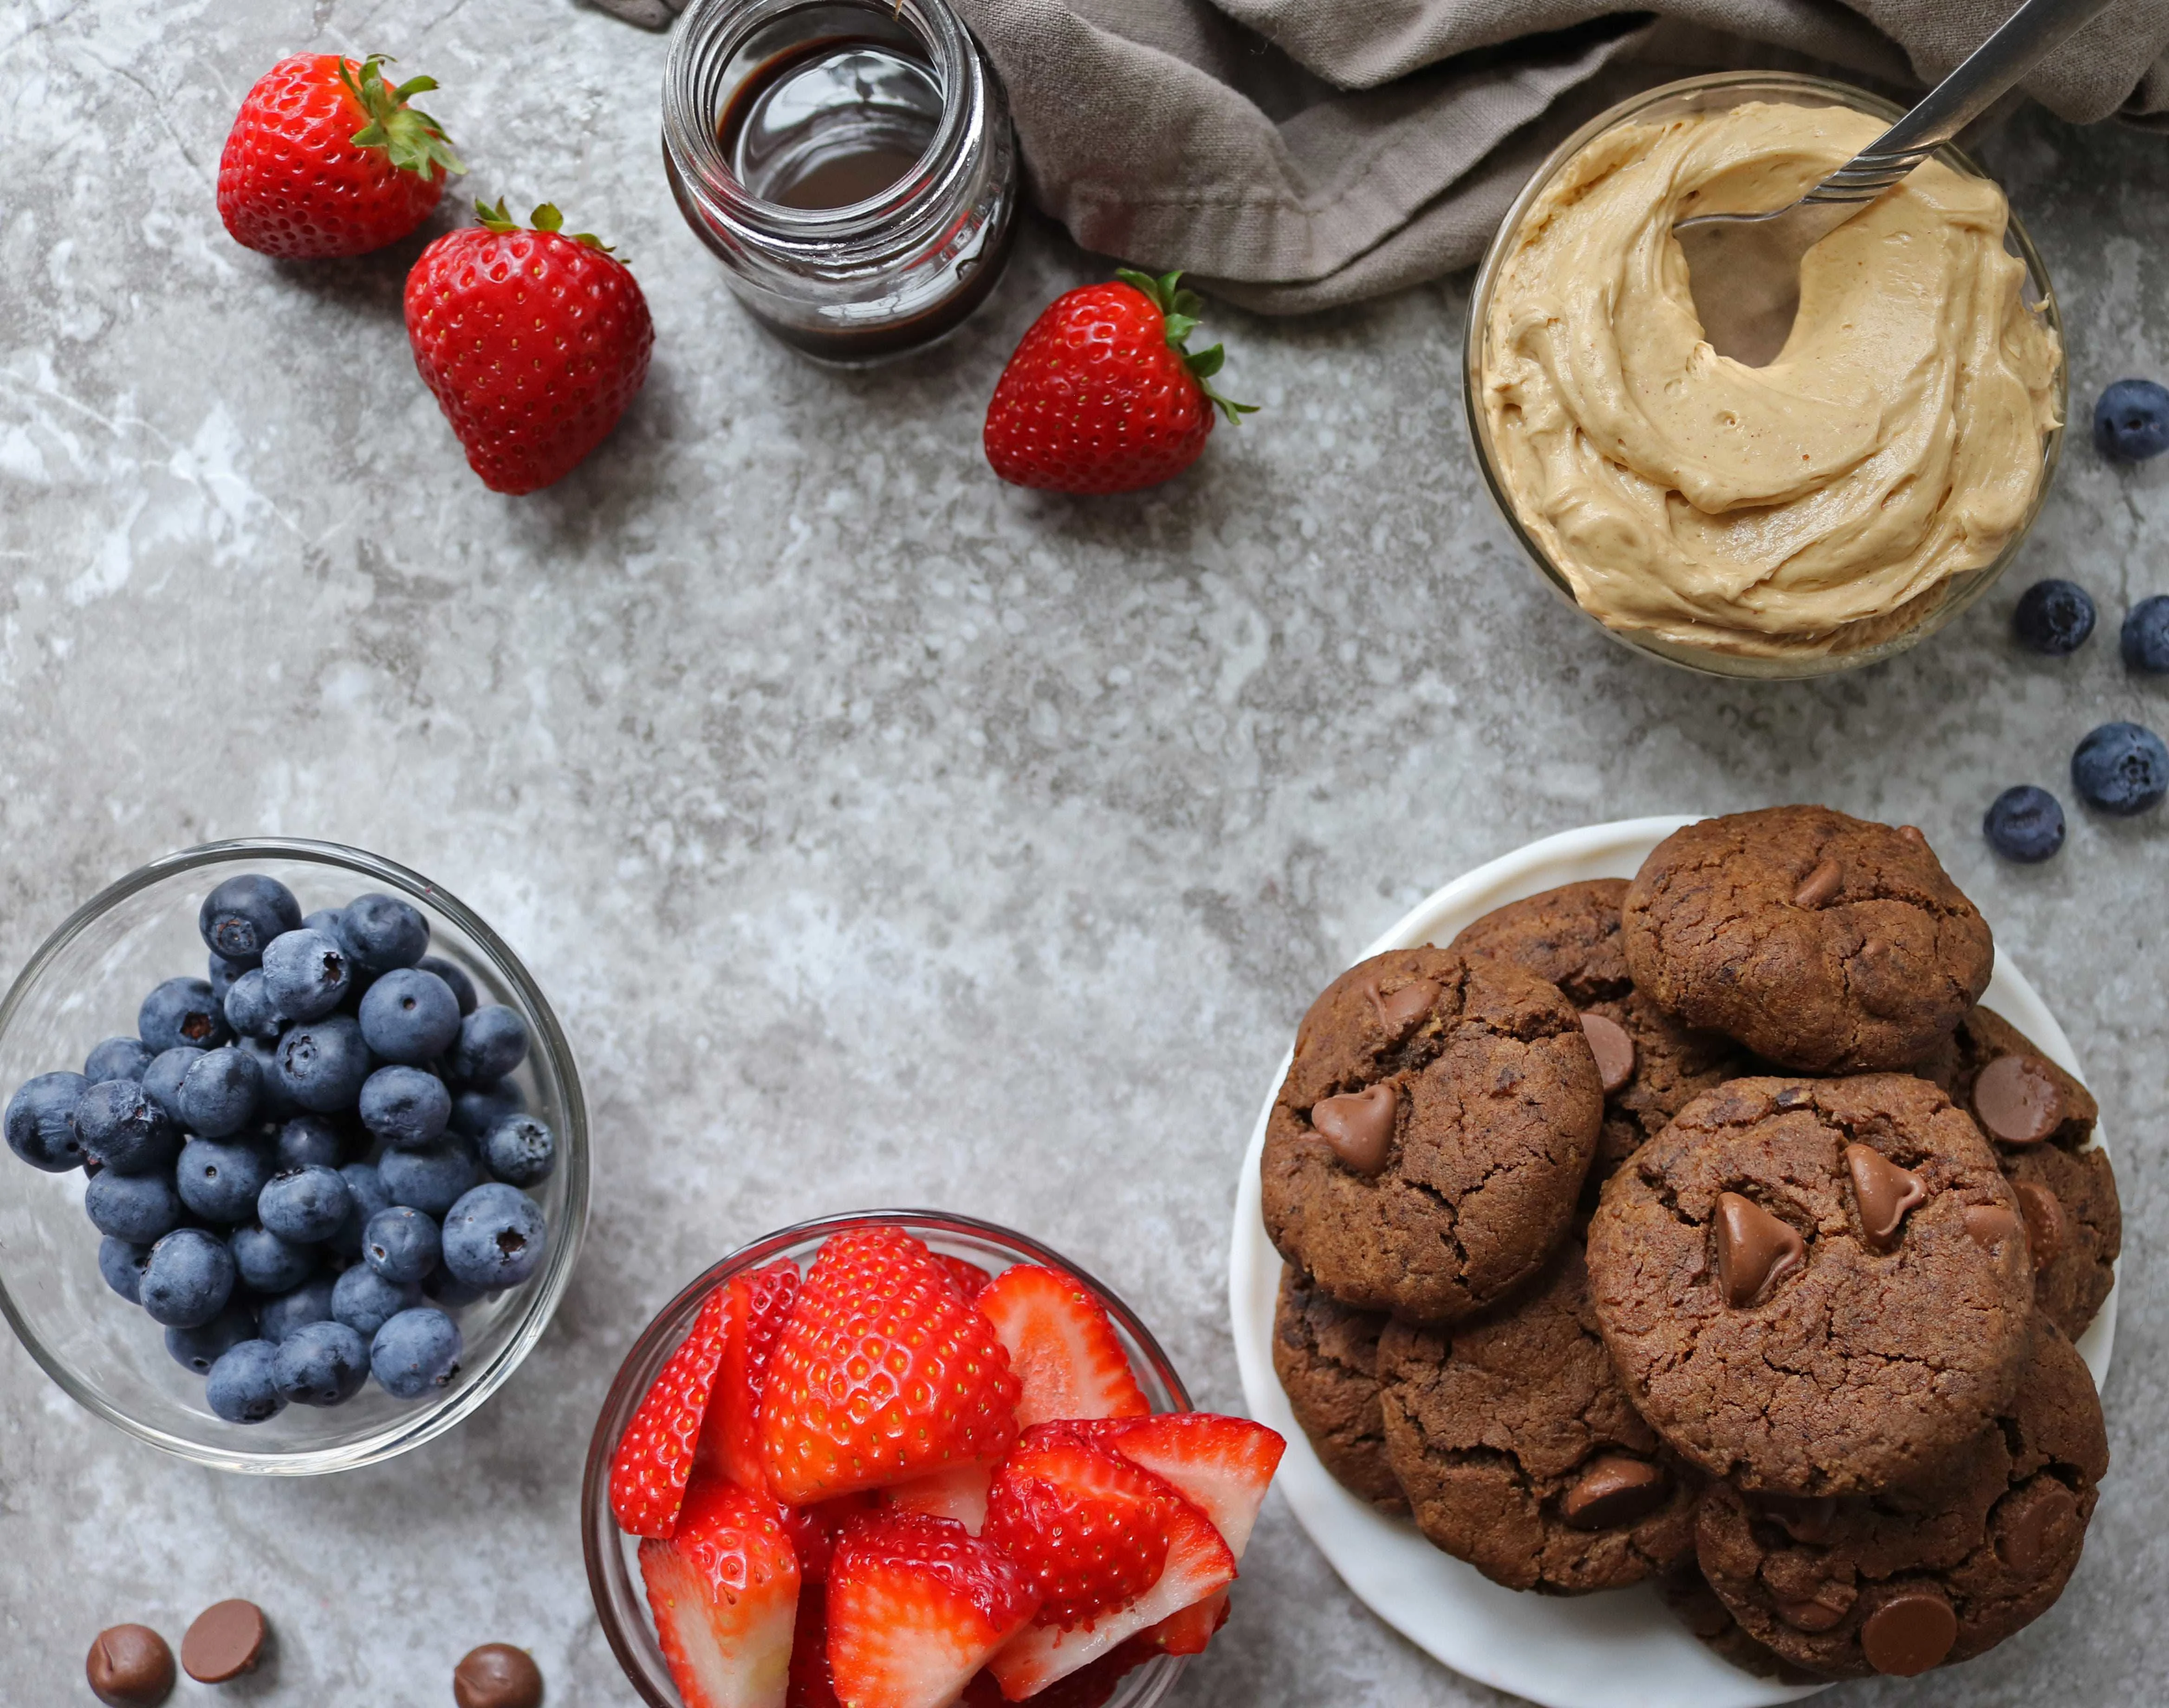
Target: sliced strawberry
1090 1528
1064 1352
813 1529
654 1456
1222 1465
1188 1632
724 1591
970 1281
880 1375
916 1606
1089 1687
958 1493
1198 1564
811 1686
754 1306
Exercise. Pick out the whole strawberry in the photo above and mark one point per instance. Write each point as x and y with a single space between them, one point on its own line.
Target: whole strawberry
325 159
533 343
1102 396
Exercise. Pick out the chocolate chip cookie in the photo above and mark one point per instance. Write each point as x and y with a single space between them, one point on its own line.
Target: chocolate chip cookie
1326 1356
1427 1148
1814 1286
1915 1577
1651 1064
2042 1122
1519 1450
1821 942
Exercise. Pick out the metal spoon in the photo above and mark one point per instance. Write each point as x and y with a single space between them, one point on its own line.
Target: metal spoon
1744 269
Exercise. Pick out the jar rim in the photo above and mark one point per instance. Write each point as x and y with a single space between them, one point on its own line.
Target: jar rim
708 32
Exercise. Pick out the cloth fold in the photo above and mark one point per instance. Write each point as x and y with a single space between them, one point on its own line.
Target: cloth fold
1296 154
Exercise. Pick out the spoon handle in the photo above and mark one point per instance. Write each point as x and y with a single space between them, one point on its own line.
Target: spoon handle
2029 34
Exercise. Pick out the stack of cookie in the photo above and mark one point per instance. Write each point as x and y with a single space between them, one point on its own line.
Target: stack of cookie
1705 1229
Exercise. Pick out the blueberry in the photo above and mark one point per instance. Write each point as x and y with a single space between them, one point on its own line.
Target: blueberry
162 1079
182 1011
2145 637
273 1103
267 1264
200 1348
220 1179
305 974
456 980
244 913
117 1058
321 1364
520 1151
2131 421
382 932
218 1092
416 1351
249 1009
40 1121
430 1179
410 1015
305 1204
444 1289
322 1063
2121 767
2053 617
188 1278
2025 823
222 975
405 1106
401 1244
365 1302
308 1138
492 1042
479 1108
495 1236
122 1265
242 1388
121 1129
309 1302
141 1209
364 1190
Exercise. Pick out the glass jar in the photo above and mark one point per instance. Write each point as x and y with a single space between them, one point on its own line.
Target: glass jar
851 162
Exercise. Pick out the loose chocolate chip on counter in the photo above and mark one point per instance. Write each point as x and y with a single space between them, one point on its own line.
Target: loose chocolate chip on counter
1909 1633
1616 1489
498 1675
1819 885
2044 1222
1613 1049
130 1667
1884 1192
1399 1010
1755 1250
1990 1224
1359 1125
2016 1100
225 1640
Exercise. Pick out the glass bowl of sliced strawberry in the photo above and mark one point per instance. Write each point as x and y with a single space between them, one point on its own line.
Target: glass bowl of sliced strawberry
906 1460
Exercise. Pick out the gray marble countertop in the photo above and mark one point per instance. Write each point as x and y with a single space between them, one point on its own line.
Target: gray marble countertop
884 834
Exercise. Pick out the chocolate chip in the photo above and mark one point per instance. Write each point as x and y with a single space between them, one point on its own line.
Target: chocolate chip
1806 1518
498 1675
1399 1011
1882 1192
1829 1604
1359 1125
1913 833
1755 1250
1613 1049
1819 885
1616 1489
1794 1097
225 1640
130 1667
2029 1538
1909 1633
2016 1099
1989 1224
2044 1222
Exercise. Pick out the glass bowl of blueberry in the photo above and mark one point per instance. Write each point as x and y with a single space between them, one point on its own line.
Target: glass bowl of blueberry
299 1160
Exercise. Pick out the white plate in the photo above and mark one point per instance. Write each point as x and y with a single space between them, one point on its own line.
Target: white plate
1617 1649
